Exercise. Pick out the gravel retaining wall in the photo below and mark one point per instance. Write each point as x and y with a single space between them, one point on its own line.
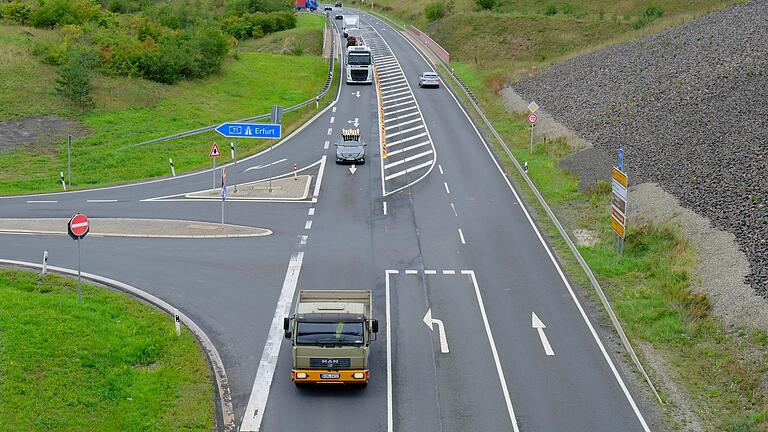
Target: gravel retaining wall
690 107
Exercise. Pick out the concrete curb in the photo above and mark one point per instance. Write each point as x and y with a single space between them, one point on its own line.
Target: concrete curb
160 236
227 421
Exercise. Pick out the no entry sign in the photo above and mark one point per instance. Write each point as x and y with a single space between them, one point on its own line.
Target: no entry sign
78 226
532 118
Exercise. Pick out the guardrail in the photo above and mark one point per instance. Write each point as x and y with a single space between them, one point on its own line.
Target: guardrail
563 233
323 91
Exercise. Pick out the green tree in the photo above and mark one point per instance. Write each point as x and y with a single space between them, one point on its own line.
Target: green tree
74 75
434 11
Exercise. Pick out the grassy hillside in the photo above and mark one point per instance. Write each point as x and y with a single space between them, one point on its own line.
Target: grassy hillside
132 110
305 39
109 364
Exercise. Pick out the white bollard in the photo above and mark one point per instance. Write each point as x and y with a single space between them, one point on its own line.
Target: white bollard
173 170
525 167
45 262
295 168
317 102
63 184
177 319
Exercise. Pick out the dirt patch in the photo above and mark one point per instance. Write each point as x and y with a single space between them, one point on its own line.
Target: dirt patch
42 130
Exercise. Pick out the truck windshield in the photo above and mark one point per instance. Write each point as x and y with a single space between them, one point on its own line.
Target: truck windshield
359 59
329 333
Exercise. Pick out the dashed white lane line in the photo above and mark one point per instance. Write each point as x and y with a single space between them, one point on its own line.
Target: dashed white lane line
308 225
311 212
440 167
325 146
406 130
461 236
400 117
334 109
333 119
449 272
448 191
402 124
408 159
411 272
453 207
41 202
304 239
257 402
404 172
330 131
101 200
385 207
430 272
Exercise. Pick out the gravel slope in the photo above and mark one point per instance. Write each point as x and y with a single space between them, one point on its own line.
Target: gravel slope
690 107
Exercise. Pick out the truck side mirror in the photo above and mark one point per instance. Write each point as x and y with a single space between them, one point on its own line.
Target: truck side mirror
286 323
375 326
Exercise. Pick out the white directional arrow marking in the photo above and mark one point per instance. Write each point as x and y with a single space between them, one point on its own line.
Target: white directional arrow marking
354 122
353 169
357 93
539 326
428 320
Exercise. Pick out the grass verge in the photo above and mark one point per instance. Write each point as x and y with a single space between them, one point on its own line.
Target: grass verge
305 39
110 364
133 110
721 370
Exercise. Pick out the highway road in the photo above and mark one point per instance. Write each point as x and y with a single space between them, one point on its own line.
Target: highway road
435 227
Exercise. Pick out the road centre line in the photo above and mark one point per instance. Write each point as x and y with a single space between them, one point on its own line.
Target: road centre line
449 272
406 131
303 239
408 159
257 402
440 167
461 235
415 113
448 191
311 212
402 150
41 202
325 146
308 225
500 372
453 207
101 200
402 124
411 272
333 118
409 170
330 131
430 272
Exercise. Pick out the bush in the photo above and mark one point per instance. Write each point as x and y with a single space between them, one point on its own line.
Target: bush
74 75
17 12
434 11
238 27
485 4
550 10
271 22
52 13
651 14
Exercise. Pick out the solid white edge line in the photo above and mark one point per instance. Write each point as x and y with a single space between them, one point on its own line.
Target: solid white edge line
584 316
390 417
222 382
502 380
461 235
101 200
257 401
41 202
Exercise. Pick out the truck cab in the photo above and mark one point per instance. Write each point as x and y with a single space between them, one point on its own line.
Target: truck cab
359 65
331 332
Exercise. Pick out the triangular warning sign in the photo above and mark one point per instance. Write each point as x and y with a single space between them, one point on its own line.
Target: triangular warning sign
214 151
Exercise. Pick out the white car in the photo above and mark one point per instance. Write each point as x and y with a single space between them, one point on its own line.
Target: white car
429 79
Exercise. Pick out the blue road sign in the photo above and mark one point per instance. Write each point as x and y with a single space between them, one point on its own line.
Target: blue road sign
250 130
620 166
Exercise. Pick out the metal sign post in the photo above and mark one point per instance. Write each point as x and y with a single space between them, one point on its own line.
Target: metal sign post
77 228
213 154
223 192
277 118
532 119
233 149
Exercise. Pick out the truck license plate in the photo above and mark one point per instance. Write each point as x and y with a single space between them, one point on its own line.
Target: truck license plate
330 376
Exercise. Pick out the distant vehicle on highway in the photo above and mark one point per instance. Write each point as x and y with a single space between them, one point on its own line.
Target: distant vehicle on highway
310 5
339 16
350 148
351 22
338 4
328 8
429 79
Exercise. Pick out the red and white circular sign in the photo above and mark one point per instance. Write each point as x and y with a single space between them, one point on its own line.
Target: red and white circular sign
78 226
532 118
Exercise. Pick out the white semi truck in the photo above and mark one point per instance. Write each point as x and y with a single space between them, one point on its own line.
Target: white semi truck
359 65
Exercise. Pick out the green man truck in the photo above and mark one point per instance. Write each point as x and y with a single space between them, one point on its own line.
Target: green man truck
331 332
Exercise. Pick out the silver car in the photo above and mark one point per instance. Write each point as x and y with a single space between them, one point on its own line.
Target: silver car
429 79
350 148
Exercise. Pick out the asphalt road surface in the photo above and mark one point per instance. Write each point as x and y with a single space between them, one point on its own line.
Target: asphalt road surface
435 227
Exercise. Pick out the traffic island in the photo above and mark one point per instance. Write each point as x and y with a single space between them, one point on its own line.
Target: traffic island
288 188
122 227
110 364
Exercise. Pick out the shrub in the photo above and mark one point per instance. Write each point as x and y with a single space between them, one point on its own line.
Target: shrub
62 12
238 26
434 11
17 11
74 75
651 14
50 52
550 10
485 4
